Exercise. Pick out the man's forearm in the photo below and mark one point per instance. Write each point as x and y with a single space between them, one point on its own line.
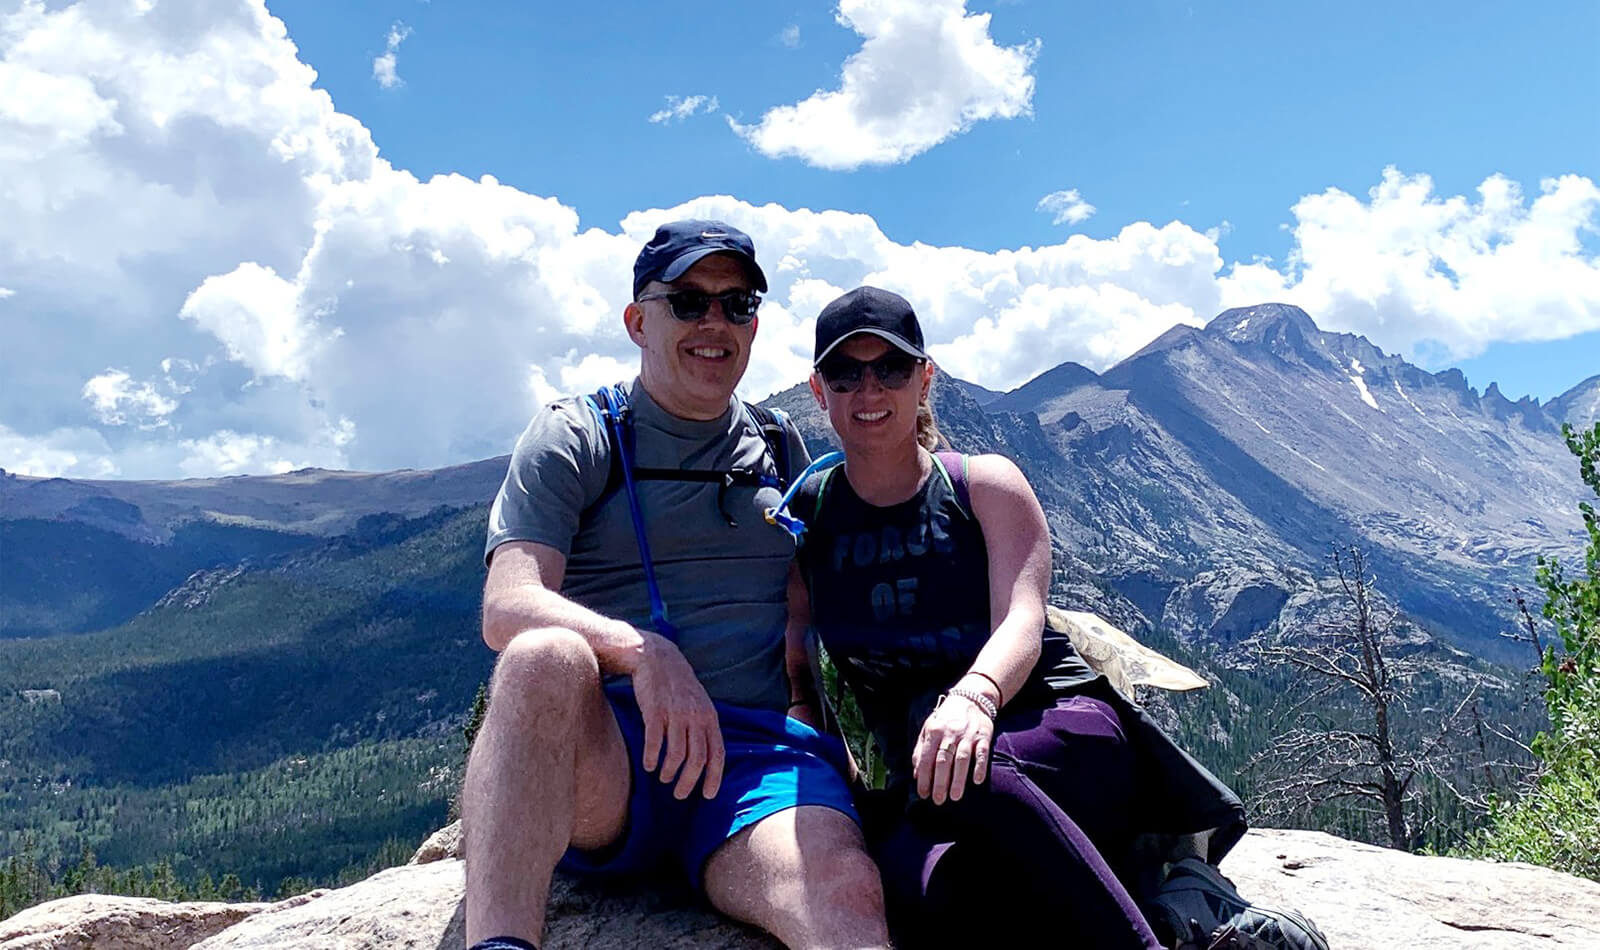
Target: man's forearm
796 658
617 644
798 663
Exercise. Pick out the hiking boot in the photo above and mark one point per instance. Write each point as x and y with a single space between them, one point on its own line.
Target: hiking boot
1203 910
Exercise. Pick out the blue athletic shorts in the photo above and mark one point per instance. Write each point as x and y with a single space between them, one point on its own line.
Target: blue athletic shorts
773 763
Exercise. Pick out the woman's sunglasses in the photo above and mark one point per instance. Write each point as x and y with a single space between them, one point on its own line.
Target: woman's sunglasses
845 375
690 306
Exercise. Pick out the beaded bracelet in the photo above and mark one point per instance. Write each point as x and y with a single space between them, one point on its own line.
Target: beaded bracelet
1000 693
977 699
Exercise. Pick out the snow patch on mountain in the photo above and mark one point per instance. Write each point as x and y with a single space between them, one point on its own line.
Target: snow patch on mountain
1403 395
1361 385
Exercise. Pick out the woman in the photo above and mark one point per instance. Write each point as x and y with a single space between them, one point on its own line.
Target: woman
1017 779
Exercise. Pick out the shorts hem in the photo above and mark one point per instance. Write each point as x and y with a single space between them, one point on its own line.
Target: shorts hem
697 873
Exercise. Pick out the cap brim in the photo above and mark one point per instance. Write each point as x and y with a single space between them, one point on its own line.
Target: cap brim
681 264
893 339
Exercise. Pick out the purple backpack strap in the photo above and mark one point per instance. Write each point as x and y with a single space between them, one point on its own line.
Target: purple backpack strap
955 466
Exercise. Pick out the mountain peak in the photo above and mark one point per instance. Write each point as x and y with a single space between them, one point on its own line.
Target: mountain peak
1031 395
1174 336
1579 405
1261 322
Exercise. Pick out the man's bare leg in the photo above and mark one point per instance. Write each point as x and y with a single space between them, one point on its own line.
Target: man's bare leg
802 875
548 769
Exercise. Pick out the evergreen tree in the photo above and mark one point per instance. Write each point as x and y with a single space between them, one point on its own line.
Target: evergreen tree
230 888
480 706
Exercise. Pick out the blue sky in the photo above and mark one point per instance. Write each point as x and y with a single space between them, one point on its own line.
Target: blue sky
225 262
1154 111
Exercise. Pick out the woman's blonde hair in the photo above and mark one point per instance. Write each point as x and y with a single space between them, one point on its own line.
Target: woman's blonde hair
928 434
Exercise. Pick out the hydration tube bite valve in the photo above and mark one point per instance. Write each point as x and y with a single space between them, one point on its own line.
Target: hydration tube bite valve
779 515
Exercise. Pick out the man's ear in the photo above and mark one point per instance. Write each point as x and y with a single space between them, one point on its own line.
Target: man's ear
816 392
633 322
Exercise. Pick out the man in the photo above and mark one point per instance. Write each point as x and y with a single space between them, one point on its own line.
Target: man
624 730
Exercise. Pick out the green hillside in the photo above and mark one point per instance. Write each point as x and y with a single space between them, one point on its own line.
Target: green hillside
273 723
68 577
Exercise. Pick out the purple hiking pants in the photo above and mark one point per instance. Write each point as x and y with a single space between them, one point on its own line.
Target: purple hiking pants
1018 861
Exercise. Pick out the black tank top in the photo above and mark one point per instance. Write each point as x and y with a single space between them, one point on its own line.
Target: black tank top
900 600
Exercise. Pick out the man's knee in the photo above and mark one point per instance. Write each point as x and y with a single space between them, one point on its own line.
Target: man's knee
847 879
831 868
548 666
549 723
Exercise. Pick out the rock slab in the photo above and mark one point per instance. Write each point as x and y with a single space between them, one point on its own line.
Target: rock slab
1363 898
419 907
111 922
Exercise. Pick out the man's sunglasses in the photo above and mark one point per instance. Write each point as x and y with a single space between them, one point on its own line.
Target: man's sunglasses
690 306
845 375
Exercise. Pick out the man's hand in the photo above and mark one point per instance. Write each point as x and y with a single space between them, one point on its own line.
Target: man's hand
955 741
677 710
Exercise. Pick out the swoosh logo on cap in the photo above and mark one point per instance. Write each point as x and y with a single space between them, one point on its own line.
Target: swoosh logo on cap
713 234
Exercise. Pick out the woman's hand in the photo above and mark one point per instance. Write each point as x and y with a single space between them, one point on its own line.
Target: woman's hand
955 741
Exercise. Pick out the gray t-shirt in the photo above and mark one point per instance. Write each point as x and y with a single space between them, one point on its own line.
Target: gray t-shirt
724 586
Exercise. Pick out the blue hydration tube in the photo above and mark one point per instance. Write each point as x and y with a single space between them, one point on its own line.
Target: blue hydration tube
618 404
779 515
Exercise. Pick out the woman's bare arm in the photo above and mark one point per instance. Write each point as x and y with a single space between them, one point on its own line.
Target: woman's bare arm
956 739
1018 539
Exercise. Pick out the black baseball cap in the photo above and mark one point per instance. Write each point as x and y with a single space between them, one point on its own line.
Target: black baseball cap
872 311
679 244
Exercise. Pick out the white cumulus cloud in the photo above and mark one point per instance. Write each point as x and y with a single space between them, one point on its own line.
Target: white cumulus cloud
305 303
230 453
679 108
257 317
117 400
1066 207
927 70
76 451
790 36
1408 267
385 65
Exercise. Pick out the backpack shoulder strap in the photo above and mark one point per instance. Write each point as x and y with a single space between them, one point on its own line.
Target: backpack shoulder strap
606 403
953 466
774 425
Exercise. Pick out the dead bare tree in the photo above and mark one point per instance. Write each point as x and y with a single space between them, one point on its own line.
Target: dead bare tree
1364 761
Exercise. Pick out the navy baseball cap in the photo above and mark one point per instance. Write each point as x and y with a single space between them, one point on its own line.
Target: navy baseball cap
679 244
872 311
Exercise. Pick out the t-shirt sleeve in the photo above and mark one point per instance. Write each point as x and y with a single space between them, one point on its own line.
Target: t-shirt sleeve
558 469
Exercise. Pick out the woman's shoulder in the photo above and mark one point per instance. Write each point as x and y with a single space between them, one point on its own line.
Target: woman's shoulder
995 478
992 469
